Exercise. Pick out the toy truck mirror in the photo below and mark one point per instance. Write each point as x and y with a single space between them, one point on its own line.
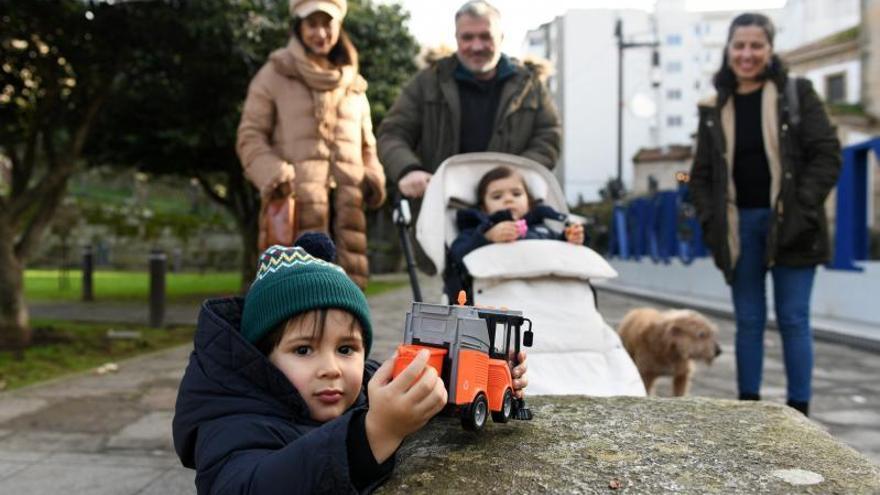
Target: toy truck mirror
527 338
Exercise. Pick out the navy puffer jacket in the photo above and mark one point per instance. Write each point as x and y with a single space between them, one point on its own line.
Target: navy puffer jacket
242 425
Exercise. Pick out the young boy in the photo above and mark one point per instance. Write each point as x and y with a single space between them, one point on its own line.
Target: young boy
274 399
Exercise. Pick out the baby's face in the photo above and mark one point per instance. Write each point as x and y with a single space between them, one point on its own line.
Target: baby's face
327 368
508 193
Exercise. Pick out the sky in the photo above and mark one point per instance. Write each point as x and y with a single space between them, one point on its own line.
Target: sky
432 21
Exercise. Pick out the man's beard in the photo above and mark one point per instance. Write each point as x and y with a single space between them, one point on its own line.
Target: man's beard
483 68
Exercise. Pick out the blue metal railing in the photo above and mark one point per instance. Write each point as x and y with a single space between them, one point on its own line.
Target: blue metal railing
665 226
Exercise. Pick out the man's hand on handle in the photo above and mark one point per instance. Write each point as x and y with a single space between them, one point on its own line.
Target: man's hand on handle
414 184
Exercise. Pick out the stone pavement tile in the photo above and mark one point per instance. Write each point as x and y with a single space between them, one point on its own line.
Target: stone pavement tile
13 406
175 481
852 417
46 441
160 398
24 456
41 479
8 469
151 432
158 461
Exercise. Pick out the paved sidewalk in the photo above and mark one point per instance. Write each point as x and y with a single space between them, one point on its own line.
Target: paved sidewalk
110 434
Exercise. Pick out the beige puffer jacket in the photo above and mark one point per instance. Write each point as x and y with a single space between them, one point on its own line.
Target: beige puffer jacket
311 127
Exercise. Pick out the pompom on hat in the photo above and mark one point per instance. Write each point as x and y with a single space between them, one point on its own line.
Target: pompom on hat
291 281
304 8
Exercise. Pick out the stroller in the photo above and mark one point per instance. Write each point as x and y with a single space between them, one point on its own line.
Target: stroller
575 351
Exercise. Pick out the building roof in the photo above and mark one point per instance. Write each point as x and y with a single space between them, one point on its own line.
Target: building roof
841 41
675 152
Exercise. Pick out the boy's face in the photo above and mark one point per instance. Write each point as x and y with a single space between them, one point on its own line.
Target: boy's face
508 193
326 367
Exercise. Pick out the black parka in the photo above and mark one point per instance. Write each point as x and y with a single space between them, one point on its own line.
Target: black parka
809 157
244 428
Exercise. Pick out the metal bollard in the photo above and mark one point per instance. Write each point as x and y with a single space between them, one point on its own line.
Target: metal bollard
158 262
88 264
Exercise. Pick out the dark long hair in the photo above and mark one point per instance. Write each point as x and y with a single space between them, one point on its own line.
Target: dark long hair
776 71
342 53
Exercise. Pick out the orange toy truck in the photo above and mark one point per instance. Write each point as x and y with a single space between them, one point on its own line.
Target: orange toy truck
469 348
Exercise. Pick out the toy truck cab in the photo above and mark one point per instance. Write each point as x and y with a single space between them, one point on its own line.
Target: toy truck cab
471 349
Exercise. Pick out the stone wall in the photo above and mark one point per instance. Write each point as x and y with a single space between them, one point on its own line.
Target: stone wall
634 445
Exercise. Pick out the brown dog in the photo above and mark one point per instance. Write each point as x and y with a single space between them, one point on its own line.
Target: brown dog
665 344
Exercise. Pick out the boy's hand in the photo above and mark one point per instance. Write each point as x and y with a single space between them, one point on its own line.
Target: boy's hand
574 233
518 373
401 406
505 231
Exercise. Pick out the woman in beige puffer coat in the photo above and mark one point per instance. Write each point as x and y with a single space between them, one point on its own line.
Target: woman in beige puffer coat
305 129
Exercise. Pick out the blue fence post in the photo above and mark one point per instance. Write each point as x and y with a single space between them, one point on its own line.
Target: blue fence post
618 244
851 215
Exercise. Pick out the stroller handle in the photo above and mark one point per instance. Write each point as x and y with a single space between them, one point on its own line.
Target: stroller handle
402 217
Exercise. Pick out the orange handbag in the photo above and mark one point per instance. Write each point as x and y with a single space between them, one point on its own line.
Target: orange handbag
277 222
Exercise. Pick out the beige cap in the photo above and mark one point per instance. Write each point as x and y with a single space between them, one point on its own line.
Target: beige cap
334 8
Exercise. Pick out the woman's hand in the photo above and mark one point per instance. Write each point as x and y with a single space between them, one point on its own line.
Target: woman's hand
403 405
518 373
283 190
574 233
502 232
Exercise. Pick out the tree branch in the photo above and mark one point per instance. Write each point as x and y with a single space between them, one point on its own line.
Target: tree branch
22 171
59 170
206 187
46 209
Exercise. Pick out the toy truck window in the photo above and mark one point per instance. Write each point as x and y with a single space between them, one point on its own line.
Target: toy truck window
499 340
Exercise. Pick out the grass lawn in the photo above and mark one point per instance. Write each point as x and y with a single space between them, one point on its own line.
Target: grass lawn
46 285
62 347
43 285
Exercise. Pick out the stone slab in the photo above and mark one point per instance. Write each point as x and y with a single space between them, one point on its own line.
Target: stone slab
41 479
151 432
589 445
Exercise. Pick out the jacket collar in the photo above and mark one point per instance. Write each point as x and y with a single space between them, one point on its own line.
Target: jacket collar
503 71
228 358
292 61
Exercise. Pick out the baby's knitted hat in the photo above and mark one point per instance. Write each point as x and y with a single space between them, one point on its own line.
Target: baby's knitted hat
291 281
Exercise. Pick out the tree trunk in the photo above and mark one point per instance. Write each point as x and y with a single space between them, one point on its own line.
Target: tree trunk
14 322
249 235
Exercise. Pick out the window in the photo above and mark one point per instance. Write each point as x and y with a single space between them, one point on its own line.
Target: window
673 94
835 88
673 39
673 120
673 67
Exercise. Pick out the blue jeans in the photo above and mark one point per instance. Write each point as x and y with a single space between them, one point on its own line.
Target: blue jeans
791 294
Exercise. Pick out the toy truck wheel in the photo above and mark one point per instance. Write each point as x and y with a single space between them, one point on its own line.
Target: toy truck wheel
503 416
474 416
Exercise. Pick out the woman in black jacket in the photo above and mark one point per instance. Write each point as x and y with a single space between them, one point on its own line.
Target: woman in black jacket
766 160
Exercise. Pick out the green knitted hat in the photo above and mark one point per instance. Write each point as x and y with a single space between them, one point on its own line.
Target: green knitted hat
291 281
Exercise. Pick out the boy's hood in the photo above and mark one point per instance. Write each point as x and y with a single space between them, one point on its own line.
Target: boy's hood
228 376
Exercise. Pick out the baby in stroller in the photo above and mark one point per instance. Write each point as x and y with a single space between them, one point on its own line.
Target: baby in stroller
506 212
574 351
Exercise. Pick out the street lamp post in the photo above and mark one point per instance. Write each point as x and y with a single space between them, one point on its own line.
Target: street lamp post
621 46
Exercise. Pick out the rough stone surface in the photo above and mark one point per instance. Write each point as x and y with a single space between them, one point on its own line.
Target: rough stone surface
594 445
